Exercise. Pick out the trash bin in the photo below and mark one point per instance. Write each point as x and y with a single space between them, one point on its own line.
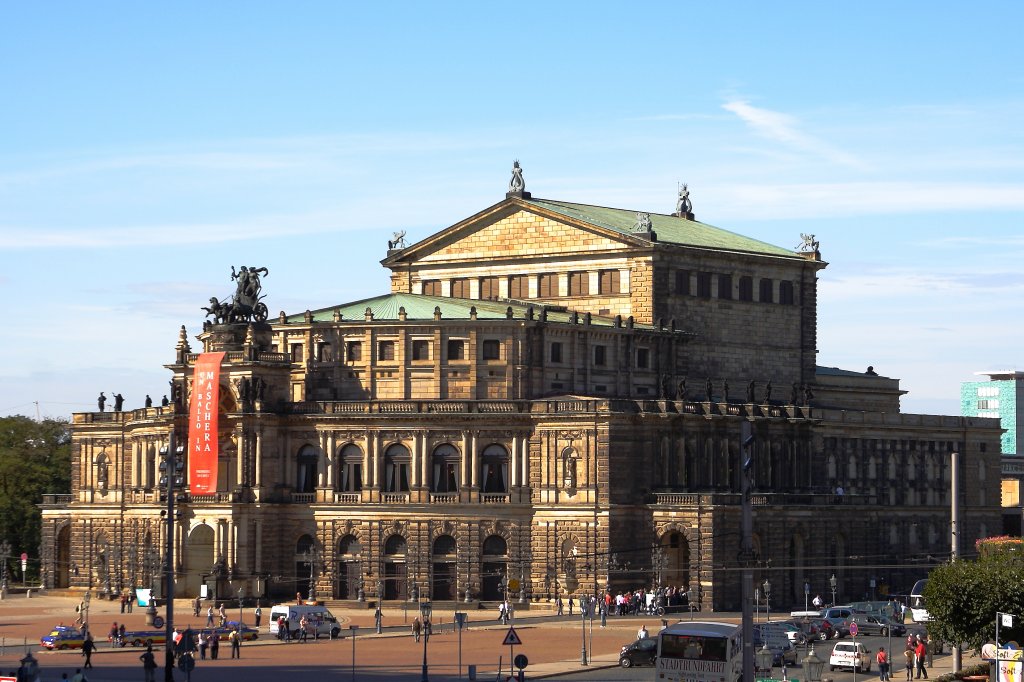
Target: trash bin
471 671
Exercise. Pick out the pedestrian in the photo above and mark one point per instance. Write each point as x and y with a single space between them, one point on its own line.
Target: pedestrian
112 635
120 634
148 663
124 601
236 643
131 599
287 629
559 605
502 614
908 656
223 615
214 645
817 602
303 625
570 604
258 614
416 628
883 664
79 676
204 640
920 654
196 605
88 646
427 627
209 616
642 632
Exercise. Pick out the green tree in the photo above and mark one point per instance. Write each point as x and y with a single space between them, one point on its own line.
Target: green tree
35 458
964 596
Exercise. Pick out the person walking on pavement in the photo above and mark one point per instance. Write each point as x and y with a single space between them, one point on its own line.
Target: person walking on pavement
303 628
258 614
908 656
883 664
223 614
920 653
214 645
559 605
196 605
88 646
642 632
570 604
209 616
204 639
148 663
416 628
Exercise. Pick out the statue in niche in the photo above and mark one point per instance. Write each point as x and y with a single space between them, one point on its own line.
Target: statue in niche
709 390
570 472
751 388
808 395
725 391
681 389
794 396
666 387
767 392
101 472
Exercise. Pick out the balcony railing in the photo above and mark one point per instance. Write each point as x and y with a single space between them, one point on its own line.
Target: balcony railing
303 498
56 499
347 498
494 498
444 498
395 498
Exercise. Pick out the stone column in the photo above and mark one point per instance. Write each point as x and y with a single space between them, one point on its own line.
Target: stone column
257 464
321 461
240 464
474 463
421 441
229 536
330 456
371 458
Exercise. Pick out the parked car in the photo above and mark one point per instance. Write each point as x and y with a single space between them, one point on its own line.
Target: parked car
641 652
783 651
850 655
868 624
248 633
63 637
144 637
837 613
823 629
791 629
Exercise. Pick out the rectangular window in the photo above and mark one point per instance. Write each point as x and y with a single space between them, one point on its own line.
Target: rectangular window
547 285
608 282
600 353
767 290
324 353
556 352
456 349
519 286
296 352
683 282
420 349
746 288
431 287
988 404
725 287
386 350
460 288
491 349
987 392
786 292
579 283
643 358
488 288
704 284
354 351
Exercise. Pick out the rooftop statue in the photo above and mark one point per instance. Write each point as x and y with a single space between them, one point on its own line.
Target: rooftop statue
397 241
246 304
643 222
808 244
516 184
683 205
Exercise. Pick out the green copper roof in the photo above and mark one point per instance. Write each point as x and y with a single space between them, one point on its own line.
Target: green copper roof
419 307
669 228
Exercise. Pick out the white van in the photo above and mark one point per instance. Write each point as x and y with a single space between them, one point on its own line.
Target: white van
850 655
317 615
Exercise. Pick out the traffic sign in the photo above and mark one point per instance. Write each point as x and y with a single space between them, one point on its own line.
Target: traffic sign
460 619
158 622
511 638
854 629
513 584
521 661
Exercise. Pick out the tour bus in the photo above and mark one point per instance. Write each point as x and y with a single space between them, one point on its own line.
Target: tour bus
698 651
917 606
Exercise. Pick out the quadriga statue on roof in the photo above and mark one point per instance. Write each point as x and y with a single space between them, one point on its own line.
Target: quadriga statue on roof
246 304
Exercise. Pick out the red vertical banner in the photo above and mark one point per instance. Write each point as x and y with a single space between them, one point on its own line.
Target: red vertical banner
202 430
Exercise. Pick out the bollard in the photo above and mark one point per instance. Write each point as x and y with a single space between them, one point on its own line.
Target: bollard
28 594
471 671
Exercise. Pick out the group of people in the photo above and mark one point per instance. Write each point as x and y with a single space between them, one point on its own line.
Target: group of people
915 656
422 626
307 625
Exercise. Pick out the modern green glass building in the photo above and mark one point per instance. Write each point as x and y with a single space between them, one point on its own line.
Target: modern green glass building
1001 397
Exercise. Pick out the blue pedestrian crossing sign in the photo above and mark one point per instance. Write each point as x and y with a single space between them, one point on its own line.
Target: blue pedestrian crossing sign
512 639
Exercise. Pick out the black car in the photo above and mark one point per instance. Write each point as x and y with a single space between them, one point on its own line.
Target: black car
640 652
869 624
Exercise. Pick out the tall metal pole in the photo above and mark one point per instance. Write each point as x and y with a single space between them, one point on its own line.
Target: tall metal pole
747 554
954 483
169 622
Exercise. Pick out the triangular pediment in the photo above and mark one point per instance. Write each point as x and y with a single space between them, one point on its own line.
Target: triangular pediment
515 229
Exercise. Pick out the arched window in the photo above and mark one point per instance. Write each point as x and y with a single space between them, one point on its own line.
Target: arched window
494 469
495 545
349 546
306 463
350 460
830 467
444 545
445 470
304 544
396 469
395 545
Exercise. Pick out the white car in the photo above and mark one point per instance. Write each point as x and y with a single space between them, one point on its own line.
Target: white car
850 655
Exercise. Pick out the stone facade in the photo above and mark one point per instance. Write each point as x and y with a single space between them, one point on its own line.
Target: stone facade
542 396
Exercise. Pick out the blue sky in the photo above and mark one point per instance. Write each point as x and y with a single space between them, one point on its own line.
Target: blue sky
148 147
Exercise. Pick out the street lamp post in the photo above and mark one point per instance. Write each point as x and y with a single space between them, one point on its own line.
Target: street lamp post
583 632
767 586
832 584
425 610
241 595
85 609
813 666
765 659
